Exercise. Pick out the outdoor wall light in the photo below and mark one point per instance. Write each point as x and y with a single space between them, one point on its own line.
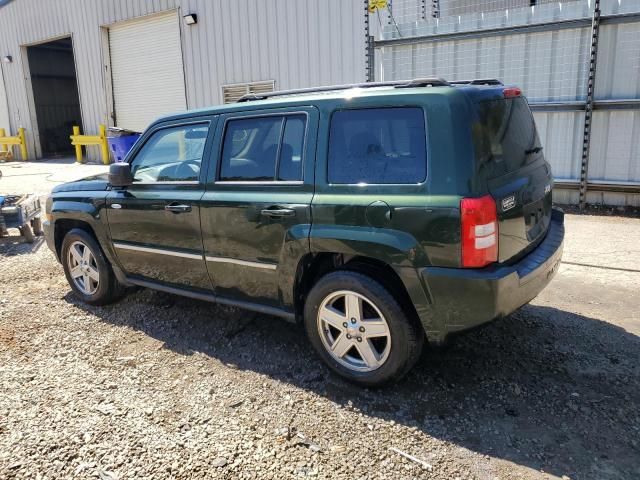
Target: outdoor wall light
190 19
7 59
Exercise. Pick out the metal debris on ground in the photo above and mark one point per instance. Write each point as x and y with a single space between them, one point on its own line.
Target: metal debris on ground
424 464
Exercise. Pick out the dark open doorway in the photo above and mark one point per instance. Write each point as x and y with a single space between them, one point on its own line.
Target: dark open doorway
55 94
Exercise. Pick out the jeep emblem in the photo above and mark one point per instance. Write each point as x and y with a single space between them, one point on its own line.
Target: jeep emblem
508 203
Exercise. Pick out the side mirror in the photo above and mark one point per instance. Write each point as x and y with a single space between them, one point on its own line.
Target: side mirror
120 175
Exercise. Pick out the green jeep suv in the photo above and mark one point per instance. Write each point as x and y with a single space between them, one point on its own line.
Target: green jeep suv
379 215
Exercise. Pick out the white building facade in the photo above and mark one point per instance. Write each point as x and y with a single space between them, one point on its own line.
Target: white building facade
125 62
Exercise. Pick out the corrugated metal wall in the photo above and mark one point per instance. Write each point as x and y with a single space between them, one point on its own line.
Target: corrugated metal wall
548 67
561 136
462 7
551 65
297 43
4 108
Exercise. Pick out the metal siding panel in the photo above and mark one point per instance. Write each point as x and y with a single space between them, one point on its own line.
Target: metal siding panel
147 70
30 21
4 108
489 56
615 146
550 66
321 43
565 197
293 43
196 61
554 129
605 198
618 62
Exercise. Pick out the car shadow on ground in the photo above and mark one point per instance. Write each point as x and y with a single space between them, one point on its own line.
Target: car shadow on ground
16 245
544 388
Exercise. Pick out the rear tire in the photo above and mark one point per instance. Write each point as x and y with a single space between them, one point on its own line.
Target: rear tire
379 343
87 270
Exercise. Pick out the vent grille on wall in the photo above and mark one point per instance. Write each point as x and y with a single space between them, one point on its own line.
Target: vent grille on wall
231 93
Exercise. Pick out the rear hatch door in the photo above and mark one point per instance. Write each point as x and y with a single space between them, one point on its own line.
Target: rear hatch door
511 162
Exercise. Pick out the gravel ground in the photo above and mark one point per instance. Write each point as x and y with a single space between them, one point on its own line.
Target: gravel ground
159 386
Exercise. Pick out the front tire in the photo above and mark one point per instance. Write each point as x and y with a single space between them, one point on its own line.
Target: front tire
87 270
359 329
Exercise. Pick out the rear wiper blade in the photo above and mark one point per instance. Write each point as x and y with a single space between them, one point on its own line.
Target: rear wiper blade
533 150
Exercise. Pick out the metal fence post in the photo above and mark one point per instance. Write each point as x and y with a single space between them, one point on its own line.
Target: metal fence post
588 111
369 59
435 8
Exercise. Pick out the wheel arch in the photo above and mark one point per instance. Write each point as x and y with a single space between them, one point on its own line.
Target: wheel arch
87 223
63 226
312 267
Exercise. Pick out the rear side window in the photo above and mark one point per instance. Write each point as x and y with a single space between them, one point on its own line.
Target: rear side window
263 148
505 136
378 146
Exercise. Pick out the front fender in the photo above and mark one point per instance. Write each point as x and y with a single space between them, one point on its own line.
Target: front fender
85 207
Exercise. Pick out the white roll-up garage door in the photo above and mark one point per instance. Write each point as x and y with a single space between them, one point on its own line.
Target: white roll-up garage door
146 69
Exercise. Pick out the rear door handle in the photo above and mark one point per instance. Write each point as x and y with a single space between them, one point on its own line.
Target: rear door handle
278 212
177 208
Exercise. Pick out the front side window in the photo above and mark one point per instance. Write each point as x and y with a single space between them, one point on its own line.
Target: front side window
263 149
171 155
378 146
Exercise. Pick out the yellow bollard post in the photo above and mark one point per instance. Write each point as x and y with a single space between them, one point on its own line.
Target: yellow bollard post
3 148
76 131
104 147
23 144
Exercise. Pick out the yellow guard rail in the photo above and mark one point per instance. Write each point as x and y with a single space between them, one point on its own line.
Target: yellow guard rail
6 142
85 140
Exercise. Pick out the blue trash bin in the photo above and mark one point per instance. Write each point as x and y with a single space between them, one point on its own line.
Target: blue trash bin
120 142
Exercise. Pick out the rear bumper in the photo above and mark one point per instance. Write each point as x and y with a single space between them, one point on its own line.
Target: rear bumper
465 298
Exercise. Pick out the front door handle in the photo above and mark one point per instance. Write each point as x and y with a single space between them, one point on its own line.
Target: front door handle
278 212
177 208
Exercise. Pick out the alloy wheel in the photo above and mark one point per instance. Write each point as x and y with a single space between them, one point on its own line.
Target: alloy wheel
83 268
354 331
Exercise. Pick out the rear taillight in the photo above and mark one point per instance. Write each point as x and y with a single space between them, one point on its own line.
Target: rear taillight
479 222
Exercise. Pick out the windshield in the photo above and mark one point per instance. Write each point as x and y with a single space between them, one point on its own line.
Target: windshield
505 136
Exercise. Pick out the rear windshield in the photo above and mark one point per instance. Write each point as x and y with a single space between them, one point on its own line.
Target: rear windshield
505 136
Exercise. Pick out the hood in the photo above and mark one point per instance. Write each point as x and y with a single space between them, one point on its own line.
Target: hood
93 183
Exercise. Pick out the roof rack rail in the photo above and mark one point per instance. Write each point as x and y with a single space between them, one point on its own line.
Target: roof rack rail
418 82
479 81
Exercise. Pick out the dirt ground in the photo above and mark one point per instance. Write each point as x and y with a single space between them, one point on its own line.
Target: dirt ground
159 386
